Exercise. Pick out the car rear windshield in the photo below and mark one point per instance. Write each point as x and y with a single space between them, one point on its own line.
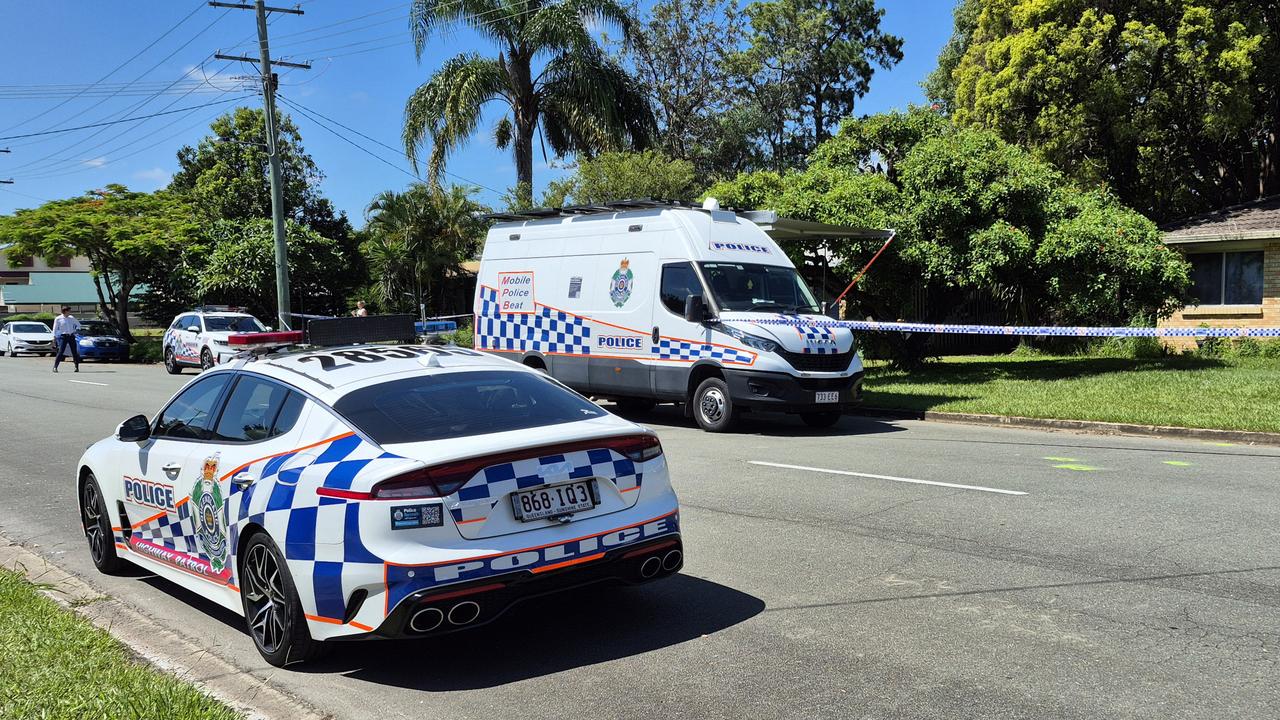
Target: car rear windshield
441 406
220 323
30 328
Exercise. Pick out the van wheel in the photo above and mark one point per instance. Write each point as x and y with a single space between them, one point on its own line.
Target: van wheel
820 419
170 363
712 406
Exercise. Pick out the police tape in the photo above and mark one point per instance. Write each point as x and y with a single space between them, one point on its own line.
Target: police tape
1027 330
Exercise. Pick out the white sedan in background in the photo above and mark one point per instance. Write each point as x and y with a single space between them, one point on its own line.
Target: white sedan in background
377 491
26 337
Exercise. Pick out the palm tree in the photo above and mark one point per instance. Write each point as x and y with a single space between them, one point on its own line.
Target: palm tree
419 237
583 101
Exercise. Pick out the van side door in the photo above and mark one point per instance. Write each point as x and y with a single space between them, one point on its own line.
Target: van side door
621 344
671 374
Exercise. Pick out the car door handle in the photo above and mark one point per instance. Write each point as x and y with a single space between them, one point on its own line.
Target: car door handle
656 336
172 467
242 479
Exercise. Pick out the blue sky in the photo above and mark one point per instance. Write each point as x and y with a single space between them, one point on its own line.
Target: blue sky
362 73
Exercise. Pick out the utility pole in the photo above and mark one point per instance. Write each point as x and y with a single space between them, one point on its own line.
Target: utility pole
10 180
273 145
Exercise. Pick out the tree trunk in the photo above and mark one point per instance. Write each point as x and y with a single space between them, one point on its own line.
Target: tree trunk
524 162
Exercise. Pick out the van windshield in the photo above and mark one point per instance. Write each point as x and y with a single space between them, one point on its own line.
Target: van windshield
750 286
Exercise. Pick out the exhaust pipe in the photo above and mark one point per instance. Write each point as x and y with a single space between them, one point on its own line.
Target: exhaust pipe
671 560
426 620
650 567
464 612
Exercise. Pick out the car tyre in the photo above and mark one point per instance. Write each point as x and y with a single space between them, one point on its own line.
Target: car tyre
713 407
820 419
272 609
96 520
171 365
206 360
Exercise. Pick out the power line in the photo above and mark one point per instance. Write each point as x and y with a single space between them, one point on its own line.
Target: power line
114 70
31 197
307 112
122 120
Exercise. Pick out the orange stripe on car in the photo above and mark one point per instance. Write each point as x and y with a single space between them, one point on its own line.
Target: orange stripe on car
347 434
153 518
567 563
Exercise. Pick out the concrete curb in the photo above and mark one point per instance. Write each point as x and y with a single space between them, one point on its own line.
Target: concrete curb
158 645
1241 437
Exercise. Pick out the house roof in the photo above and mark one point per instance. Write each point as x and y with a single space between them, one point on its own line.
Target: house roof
52 288
1256 220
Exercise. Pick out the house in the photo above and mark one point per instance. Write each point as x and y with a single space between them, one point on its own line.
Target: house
1235 266
34 284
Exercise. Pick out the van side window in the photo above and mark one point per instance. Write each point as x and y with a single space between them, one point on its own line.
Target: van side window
679 281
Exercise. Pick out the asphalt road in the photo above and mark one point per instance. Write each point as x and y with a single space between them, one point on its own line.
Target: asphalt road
1142 580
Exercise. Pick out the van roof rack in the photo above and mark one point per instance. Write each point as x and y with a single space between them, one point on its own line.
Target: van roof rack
613 206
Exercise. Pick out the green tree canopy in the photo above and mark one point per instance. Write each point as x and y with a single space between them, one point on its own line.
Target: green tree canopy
625 175
974 214
1174 104
806 64
416 242
124 234
550 74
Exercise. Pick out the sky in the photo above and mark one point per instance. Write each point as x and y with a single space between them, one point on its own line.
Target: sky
153 56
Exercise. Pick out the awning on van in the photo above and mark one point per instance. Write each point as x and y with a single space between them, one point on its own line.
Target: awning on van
781 228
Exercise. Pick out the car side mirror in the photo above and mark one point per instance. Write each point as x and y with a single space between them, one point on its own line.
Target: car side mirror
266 328
193 329
695 309
135 429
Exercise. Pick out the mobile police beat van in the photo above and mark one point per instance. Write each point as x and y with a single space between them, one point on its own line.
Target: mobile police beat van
644 302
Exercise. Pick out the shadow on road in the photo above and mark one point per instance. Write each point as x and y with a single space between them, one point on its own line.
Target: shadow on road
765 423
548 635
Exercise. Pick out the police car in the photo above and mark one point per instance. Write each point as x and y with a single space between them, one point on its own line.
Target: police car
199 338
393 491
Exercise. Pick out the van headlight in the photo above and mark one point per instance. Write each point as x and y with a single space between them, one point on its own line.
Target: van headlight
751 341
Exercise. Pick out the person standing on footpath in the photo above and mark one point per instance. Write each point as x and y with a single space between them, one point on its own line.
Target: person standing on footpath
65 328
360 310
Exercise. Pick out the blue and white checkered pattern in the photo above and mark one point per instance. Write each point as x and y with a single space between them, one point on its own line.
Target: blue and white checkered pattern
818 340
668 349
1020 330
544 330
476 499
178 536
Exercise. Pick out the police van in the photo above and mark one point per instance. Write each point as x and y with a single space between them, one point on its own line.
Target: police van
647 302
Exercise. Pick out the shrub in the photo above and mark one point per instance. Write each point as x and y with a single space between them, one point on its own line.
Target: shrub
146 351
1135 348
462 337
46 318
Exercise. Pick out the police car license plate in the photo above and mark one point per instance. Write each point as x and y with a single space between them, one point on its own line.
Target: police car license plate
553 500
829 396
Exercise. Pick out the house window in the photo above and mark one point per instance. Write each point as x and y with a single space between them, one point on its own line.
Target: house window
1233 278
60 261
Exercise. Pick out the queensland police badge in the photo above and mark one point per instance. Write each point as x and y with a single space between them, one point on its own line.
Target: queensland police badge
620 285
206 495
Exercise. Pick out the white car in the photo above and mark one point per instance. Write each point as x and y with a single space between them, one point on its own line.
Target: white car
199 338
378 490
26 337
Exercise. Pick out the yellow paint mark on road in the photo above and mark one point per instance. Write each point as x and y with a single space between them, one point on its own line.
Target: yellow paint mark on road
1061 459
1078 468
1223 444
1177 463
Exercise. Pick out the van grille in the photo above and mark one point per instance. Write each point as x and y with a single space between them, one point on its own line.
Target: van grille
809 362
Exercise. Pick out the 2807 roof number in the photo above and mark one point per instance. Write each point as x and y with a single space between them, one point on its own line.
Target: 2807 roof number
359 356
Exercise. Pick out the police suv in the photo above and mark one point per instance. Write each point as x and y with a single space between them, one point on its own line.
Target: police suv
377 491
199 338
645 302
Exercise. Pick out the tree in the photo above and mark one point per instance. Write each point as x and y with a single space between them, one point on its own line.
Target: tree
679 55
124 234
806 64
239 267
1173 104
938 86
227 174
974 214
417 240
623 175
581 100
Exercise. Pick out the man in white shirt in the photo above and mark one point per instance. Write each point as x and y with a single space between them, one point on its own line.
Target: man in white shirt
65 328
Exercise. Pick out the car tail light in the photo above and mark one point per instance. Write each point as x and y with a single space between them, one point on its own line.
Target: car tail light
445 479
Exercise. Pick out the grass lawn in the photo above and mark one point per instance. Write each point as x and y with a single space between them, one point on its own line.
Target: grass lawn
1187 391
55 664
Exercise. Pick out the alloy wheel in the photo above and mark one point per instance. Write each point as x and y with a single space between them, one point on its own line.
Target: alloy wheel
93 525
267 604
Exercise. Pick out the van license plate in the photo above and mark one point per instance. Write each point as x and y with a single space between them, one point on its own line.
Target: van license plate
825 397
553 500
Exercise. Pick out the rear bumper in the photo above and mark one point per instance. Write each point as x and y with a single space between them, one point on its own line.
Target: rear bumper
442 610
788 393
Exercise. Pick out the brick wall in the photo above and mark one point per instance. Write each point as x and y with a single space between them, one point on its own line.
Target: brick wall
1268 317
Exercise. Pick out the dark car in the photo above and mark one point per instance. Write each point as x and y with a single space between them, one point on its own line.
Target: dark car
99 341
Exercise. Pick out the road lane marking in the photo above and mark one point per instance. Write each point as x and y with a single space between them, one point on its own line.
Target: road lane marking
87 382
1177 463
1077 468
888 477
1059 459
